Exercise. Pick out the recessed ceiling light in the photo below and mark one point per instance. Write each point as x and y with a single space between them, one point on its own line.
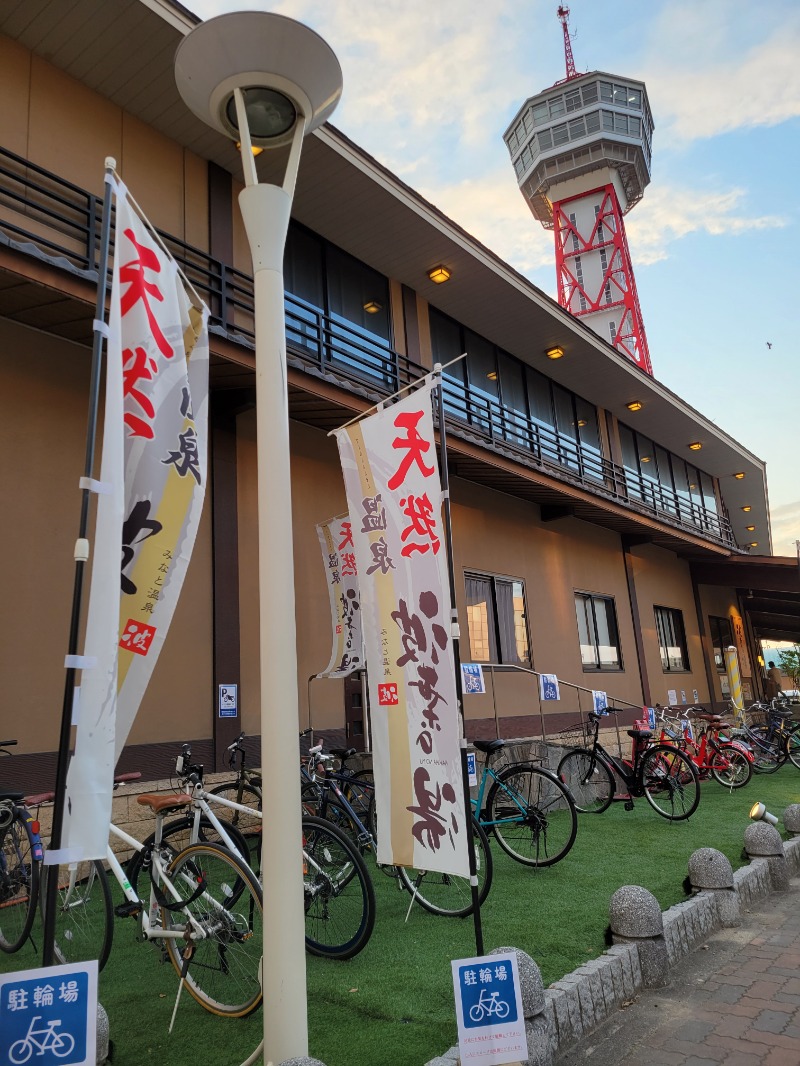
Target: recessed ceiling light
739 476
556 352
750 529
635 405
753 543
695 445
747 508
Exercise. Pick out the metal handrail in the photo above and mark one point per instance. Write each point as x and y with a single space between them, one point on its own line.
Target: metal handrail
327 343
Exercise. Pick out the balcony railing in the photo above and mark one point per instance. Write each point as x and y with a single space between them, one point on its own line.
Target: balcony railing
62 221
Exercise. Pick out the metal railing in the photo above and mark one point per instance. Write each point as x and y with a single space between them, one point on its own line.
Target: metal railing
62 221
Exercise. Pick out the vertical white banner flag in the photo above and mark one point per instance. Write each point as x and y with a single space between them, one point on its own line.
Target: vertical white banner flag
394 497
341 572
154 476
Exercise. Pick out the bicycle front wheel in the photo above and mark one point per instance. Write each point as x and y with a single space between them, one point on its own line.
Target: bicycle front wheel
532 815
84 925
339 897
670 782
448 894
730 767
589 780
223 968
793 747
19 884
247 822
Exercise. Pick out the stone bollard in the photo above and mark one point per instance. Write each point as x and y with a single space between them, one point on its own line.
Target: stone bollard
539 1030
635 917
710 871
101 1043
791 819
763 841
304 1060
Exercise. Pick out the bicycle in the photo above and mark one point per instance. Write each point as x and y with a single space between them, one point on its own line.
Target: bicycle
663 774
332 867
447 895
41 1040
489 1003
20 858
764 728
528 809
203 909
729 763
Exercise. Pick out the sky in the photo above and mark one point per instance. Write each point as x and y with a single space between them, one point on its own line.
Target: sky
429 89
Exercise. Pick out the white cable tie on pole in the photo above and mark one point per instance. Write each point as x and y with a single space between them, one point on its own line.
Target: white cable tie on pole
464 743
445 494
99 326
80 662
455 631
473 880
81 552
76 704
63 856
102 488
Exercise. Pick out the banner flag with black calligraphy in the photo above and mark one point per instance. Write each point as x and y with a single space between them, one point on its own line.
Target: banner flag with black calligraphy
341 573
154 471
394 498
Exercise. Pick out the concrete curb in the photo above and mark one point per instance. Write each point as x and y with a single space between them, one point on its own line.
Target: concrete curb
582 1000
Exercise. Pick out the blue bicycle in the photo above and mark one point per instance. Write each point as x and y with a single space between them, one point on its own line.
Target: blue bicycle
528 809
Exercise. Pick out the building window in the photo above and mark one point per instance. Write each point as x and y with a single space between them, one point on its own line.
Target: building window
721 638
671 639
597 632
497 620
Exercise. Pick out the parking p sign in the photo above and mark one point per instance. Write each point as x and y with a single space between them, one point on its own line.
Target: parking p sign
49 1015
491 1024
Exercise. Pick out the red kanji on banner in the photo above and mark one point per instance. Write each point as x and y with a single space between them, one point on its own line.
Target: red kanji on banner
415 445
387 695
137 636
132 275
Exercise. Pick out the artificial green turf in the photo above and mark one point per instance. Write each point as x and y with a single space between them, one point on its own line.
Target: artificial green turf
393 1004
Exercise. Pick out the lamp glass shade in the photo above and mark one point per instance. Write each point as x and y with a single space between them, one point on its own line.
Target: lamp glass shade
695 446
269 113
554 353
439 274
739 476
634 405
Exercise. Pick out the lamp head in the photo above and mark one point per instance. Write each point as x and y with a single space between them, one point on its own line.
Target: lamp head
287 74
759 813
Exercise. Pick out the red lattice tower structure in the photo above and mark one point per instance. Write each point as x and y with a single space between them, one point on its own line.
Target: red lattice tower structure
563 14
581 151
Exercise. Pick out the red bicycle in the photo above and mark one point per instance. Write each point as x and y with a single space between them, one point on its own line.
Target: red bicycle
727 761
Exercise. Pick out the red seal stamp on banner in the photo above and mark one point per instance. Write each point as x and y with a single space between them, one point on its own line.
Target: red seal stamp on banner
387 695
137 636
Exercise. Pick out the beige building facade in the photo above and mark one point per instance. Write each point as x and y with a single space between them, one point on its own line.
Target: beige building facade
590 541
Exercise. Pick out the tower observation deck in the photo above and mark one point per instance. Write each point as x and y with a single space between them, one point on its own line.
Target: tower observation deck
581 152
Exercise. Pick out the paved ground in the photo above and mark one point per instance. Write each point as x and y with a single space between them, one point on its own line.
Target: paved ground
735 1001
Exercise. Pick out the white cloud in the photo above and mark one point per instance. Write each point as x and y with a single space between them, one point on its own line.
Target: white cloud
667 214
785 522
711 70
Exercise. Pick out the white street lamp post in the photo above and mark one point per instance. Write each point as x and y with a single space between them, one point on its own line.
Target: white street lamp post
265 81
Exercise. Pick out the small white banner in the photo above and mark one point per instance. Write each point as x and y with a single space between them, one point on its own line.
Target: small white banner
548 687
672 697
341 573
491 1021
599 700
472 679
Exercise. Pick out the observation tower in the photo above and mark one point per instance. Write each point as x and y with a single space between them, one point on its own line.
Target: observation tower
581 153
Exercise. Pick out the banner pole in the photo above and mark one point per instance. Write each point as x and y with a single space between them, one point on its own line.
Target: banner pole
81 555
456 644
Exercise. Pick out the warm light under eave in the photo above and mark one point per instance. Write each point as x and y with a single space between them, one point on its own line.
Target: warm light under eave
695 446
634 405
439 274
555 352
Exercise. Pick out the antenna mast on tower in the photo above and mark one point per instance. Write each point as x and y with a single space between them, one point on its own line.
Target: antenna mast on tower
563 14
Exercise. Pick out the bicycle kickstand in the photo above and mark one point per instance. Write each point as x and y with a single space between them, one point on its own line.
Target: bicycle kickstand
186 955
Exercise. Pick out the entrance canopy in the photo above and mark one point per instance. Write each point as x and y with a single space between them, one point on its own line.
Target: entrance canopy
769 590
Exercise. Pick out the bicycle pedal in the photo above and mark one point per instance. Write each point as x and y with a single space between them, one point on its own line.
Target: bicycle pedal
128 909
628 805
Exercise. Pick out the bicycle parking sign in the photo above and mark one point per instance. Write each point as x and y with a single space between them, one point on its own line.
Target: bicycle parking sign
491 1025
49 1016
